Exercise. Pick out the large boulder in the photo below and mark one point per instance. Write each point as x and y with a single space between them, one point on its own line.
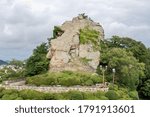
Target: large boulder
76 45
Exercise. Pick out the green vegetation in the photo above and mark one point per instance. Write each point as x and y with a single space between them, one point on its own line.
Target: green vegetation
17 63
6 94
128 69
11 75
57 32
88 35
66 78
85 60
121 93
130 59
112 95
37 63
132 70
145 89
13 70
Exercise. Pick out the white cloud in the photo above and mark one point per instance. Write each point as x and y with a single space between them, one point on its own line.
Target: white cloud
26 23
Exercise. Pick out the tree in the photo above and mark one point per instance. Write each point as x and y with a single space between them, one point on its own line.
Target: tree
137 48
144 87
17 63
128 69
37 62
139 51
145 90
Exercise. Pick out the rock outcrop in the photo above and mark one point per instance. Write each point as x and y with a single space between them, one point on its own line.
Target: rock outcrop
76 45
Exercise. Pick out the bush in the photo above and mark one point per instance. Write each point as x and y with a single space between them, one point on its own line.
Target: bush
9 91
12 96
96 79
112 95
31 95
89 82
113 87
50 96
134 95
88 96
1 92
99 94
74 95
103 98
41 80
66 78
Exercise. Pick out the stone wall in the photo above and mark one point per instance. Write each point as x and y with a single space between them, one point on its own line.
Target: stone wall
57 89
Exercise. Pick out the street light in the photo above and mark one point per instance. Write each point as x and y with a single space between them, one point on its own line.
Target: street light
103 69
114 71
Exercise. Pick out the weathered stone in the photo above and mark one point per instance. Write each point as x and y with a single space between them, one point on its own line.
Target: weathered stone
66 50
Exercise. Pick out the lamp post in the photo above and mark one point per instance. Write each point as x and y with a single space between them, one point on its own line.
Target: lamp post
114 71
103 69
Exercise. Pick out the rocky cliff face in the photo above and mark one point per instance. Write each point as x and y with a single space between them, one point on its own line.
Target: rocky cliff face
76 45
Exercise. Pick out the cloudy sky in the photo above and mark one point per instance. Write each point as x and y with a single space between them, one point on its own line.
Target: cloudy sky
26 23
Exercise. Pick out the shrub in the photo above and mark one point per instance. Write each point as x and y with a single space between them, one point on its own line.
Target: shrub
1 92
66 78
99 94
88 96
50 96
9 91
89 82
96 79
103 98
12 96
75 95
134 95
31 95
113 87
112 95
123 93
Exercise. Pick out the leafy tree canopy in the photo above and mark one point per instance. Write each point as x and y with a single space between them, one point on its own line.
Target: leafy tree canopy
128 69
37 63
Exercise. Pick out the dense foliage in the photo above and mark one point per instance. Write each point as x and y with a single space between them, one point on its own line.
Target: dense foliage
140 53
9 94
37 63
66 78
88 35
128 69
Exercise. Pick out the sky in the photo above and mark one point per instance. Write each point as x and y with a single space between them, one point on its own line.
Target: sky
24 24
